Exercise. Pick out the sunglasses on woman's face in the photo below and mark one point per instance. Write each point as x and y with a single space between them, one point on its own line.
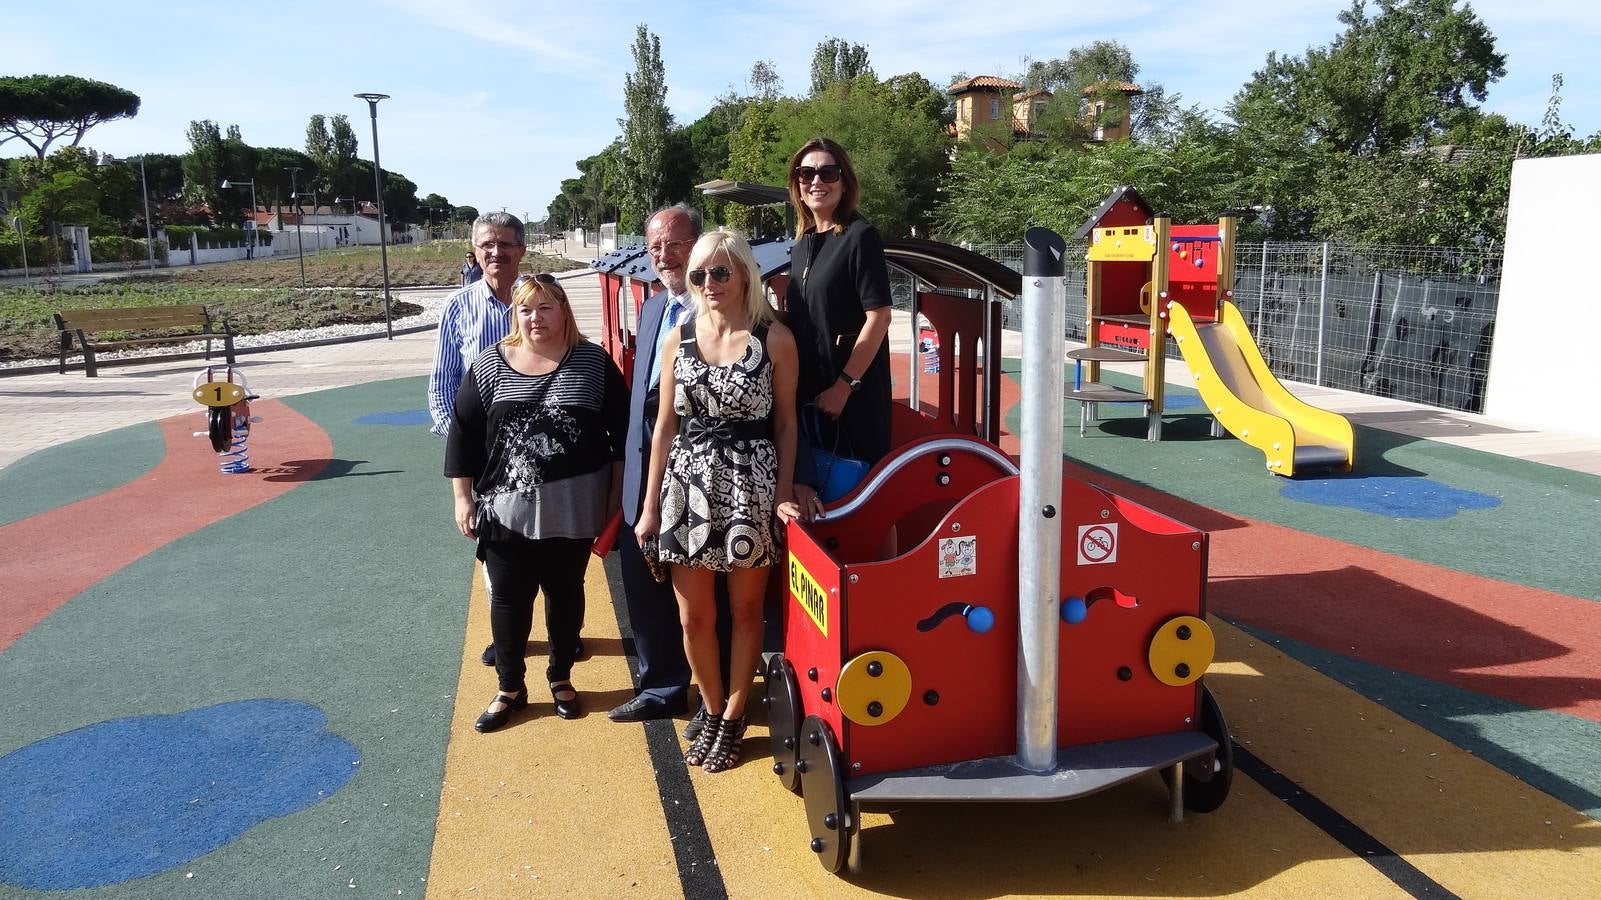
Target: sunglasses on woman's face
719 274
805 174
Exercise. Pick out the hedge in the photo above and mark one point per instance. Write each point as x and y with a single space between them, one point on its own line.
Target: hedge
115 248
38 252
178 236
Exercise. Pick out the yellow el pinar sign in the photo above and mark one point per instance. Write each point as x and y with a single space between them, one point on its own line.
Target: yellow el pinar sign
809 594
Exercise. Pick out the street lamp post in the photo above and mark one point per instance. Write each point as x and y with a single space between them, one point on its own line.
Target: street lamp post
22 242
300 244
378 190
144 190
315 205
254 243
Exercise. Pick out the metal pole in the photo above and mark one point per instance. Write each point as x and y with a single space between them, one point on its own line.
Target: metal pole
917 346
1039 520
150 240
1322 302
255 241
300 244
1261 284
378 188
22 242
991 360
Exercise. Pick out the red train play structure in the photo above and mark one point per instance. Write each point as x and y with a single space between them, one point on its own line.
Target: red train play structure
1032 637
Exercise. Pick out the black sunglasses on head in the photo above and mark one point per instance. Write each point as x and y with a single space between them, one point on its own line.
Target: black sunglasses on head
829 173
719 274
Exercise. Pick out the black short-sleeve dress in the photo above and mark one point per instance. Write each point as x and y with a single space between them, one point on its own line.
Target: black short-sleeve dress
835 278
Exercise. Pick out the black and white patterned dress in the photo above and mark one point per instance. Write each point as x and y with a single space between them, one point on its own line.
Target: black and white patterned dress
722 472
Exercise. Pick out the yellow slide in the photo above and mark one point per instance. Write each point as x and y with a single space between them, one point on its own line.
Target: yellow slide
1240 390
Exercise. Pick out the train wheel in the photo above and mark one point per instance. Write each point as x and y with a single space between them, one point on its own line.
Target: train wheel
823 786
783 720
1207 780
218 428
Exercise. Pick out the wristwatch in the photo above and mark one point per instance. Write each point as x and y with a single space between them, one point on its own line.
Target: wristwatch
852 383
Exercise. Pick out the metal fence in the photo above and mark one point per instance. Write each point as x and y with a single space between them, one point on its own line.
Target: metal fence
1413 323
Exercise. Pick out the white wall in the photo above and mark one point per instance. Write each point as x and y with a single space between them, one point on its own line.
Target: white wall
1543 364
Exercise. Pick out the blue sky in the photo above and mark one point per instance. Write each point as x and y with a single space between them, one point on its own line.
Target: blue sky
492 103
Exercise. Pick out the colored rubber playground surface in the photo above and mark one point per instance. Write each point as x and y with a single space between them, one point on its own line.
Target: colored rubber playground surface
264 686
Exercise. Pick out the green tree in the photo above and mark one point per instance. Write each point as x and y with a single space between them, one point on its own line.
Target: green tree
66 198
897 141
645 129
40 109
1340 118
836 60
204 167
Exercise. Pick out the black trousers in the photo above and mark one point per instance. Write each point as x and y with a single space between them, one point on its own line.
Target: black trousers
518 569
658 636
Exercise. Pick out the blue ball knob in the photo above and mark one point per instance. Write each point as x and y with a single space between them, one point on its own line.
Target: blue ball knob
1074 609
980 619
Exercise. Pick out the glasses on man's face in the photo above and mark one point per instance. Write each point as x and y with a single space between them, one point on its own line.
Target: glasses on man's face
501 246
719 274
829 174
663 247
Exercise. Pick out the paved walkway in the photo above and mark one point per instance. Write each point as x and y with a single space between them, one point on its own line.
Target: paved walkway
38 411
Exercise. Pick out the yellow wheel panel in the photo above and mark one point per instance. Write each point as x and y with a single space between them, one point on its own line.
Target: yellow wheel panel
873 688
1181 650
219 393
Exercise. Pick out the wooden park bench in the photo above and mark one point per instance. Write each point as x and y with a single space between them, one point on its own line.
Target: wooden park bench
138 327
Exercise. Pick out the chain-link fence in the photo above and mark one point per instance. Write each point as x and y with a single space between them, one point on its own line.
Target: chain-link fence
1413 323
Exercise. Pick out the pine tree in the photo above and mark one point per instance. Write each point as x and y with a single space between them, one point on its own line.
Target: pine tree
644 157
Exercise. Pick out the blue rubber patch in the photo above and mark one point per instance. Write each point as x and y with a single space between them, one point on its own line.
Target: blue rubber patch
402 417
1402 497
131 797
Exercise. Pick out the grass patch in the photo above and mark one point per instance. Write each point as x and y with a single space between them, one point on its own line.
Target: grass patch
255 296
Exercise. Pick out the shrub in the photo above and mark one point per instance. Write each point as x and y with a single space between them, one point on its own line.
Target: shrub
38 252
178 236
115 248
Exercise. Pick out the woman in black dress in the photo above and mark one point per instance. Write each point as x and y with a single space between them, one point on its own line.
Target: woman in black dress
534 455
720 477
838 305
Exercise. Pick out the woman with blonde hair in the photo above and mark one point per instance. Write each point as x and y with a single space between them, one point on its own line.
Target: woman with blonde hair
534 456
720 479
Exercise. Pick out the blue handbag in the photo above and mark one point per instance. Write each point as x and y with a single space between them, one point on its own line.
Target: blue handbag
833 474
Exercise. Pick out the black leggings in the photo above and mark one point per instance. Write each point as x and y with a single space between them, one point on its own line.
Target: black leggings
517 570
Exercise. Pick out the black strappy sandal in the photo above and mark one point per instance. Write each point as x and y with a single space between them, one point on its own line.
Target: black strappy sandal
724 753
702 745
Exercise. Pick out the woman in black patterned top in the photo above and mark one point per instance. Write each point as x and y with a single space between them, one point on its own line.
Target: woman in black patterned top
722 464
535 460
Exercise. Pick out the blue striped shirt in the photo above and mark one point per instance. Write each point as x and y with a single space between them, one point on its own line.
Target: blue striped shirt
473 321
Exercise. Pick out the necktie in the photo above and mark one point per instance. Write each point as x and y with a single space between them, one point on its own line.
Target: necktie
670 320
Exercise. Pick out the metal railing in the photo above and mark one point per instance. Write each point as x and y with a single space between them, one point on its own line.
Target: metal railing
1413 323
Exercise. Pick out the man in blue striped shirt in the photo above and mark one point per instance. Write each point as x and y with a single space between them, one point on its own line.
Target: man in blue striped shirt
478 315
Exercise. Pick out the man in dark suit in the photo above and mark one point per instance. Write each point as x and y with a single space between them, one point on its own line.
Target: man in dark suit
652 609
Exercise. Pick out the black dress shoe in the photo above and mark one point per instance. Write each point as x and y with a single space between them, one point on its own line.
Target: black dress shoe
695 725
488 658
566 697
490 721
641 708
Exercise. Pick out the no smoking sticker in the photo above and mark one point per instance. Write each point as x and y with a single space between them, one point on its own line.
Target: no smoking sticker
1097 544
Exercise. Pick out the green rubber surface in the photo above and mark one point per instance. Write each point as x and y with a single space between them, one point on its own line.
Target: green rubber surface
355 604
1541 535
1556 753
66 473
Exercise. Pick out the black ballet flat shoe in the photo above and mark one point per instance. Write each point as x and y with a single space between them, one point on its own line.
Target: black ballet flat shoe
568 706
490 721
